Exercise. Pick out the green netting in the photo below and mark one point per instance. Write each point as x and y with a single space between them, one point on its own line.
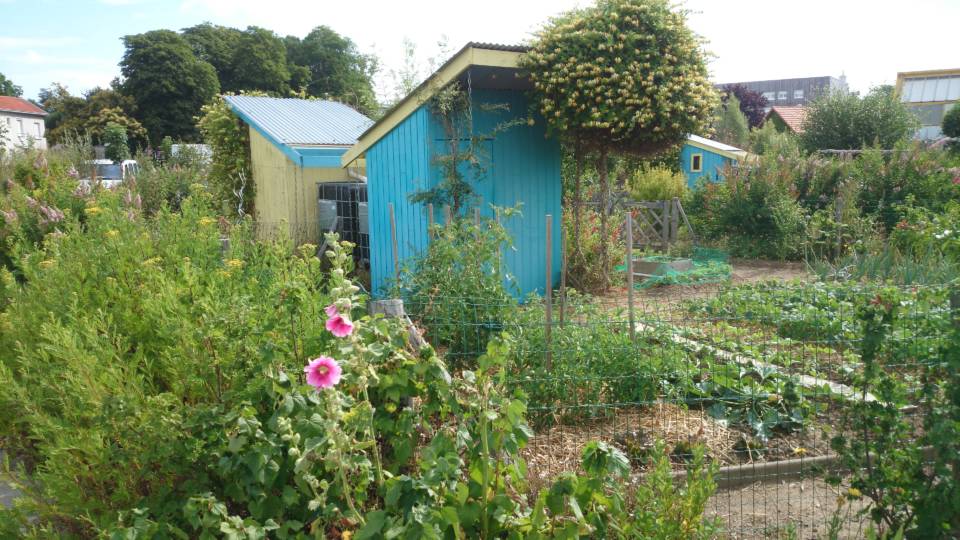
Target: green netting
706 265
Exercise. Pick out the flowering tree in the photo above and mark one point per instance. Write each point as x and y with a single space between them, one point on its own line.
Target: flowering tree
624 76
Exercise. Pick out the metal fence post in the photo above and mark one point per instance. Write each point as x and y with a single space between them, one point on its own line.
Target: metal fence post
563 273
548 294
633 337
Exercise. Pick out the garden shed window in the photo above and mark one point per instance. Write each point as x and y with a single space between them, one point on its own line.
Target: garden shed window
696 163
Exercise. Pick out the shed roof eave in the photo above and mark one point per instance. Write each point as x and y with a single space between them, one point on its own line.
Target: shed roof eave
471 55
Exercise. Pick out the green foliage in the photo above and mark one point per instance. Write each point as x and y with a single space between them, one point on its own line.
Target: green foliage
259 63
730 125
755 218
841 121
333 67
585 270
7 88
767 140
115 139
88 115
951 121
924 233
151 62
230 177
626 75
657 183
457 288
905 470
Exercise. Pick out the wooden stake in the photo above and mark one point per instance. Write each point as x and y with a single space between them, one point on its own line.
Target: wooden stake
430 217
633 330
393 242
446 215
665 225
476 217
548 294
674 219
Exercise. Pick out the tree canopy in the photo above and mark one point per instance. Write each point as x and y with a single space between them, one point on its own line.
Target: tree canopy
730 125
626 75
337 69
752 103
168 82
7 88
951 122
841 121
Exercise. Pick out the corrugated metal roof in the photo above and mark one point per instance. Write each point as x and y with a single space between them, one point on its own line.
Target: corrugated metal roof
294 121
714 144
497 47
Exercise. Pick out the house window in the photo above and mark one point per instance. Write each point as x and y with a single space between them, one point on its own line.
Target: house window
782 95
19 126
770 95
696 163
36 126
798 94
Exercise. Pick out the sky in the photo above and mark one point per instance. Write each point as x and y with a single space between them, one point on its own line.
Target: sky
77 42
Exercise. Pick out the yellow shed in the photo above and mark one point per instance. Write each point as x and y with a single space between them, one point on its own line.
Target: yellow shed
295 145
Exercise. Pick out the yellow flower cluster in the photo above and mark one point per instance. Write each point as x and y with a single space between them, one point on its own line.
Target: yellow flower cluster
234 263
47 263
93 210
112 233
153 261
204 221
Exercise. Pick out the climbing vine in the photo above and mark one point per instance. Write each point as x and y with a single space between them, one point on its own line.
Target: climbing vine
230 175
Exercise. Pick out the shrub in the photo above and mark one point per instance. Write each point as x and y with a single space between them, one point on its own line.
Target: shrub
231 177
115 139
768 141
657 183
951 122
457 288
585 269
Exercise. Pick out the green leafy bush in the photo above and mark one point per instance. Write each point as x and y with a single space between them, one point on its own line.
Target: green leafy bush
457 290
657 183
843 121
231 177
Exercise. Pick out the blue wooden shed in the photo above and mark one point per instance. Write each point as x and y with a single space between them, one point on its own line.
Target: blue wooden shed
704 158
522 166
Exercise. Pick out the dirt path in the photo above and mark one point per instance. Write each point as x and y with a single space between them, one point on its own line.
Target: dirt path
799 509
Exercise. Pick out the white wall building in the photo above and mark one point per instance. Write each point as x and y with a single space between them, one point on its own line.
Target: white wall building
21 124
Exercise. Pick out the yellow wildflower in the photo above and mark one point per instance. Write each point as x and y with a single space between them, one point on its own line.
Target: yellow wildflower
153 261
854 493
93 210
204 221
235 263
224 273
47 263
799 451
113 233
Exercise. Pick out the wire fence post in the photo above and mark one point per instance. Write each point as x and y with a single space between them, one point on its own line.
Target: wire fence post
393 242
446 215
548 294
633 331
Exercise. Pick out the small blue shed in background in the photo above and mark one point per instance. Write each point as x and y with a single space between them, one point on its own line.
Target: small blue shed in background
522 166
704 158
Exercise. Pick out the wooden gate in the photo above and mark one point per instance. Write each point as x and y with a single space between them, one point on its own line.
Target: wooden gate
657 223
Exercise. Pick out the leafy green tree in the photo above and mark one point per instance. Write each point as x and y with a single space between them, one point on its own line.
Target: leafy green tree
623 76
730 124
337 68
260 62
63 112
951 122
7 88
216 45
98 125
115 139
842 121
167 81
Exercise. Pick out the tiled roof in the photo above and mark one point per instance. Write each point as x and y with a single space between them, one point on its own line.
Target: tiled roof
294 122
793 117
18 105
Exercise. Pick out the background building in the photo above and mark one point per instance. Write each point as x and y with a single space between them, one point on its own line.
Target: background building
793 92
929 94
21 123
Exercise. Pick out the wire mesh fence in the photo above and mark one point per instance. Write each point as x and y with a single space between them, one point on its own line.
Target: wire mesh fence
762 376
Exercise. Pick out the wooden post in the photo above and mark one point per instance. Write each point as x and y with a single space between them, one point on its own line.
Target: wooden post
674 219
665 224
393 242
633 336
224 245
563 273
476 216
838 219
446 215
430 216
548 294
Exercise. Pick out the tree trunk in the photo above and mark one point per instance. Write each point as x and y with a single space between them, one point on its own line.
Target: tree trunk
577 200
604 218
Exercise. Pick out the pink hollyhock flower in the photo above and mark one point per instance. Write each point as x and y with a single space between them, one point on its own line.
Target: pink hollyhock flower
331 310
323 372
339 325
